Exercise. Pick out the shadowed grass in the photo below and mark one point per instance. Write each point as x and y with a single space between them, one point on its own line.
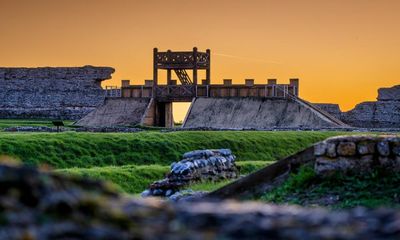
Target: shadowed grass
305 188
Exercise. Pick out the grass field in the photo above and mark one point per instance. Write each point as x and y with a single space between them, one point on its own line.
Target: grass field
135 179
133 160
71 149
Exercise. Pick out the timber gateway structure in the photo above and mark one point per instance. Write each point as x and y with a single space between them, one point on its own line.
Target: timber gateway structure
225 105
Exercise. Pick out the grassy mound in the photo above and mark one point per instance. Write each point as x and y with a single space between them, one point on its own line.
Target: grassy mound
339 191
135 179
71 149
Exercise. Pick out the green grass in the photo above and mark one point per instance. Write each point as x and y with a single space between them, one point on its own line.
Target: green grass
135 179
369 190
209 186
5 123
71 149
129 178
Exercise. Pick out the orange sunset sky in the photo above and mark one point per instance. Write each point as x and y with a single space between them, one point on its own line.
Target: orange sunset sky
342 50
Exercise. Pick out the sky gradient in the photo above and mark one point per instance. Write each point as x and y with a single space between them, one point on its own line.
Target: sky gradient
341 50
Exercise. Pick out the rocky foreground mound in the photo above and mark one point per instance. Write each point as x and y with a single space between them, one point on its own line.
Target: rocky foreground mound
39 205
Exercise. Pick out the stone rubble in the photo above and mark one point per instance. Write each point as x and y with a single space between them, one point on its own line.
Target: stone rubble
40 205
196 166
357 154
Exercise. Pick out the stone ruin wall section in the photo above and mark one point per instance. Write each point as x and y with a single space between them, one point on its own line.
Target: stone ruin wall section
383 113
51 92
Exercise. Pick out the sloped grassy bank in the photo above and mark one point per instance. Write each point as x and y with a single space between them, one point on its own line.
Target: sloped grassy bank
71 149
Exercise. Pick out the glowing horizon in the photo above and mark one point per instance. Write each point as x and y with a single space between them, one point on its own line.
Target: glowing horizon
342 51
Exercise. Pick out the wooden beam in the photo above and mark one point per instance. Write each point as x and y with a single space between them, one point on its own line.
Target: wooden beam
195 66
208 70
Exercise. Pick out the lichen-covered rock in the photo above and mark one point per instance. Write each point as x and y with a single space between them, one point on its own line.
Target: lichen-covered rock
196 166
346 148
59 92
366 147
383 148
331 150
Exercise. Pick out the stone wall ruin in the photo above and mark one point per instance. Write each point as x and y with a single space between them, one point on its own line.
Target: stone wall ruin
51 92
383 113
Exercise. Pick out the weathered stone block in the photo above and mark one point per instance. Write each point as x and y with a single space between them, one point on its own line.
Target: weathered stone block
383 148
346 148
397 163
326 166
365 163
385 162
366 148
396 148
331 150
320 149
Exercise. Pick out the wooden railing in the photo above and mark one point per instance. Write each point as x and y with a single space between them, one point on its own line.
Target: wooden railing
187 92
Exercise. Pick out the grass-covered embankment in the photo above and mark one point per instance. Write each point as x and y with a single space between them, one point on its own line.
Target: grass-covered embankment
371 190
135 179
71 149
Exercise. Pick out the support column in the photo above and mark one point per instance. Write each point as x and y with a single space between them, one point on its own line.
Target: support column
169 118
195 70
169 71
295 83
208 70
155 71
169 76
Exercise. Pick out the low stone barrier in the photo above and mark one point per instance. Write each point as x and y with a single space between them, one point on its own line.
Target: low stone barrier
196 166
32 129
108 129
357 154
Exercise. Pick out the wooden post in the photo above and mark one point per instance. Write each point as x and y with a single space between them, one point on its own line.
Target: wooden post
155 69
169 71
169 76
208 70
195 66
195 70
